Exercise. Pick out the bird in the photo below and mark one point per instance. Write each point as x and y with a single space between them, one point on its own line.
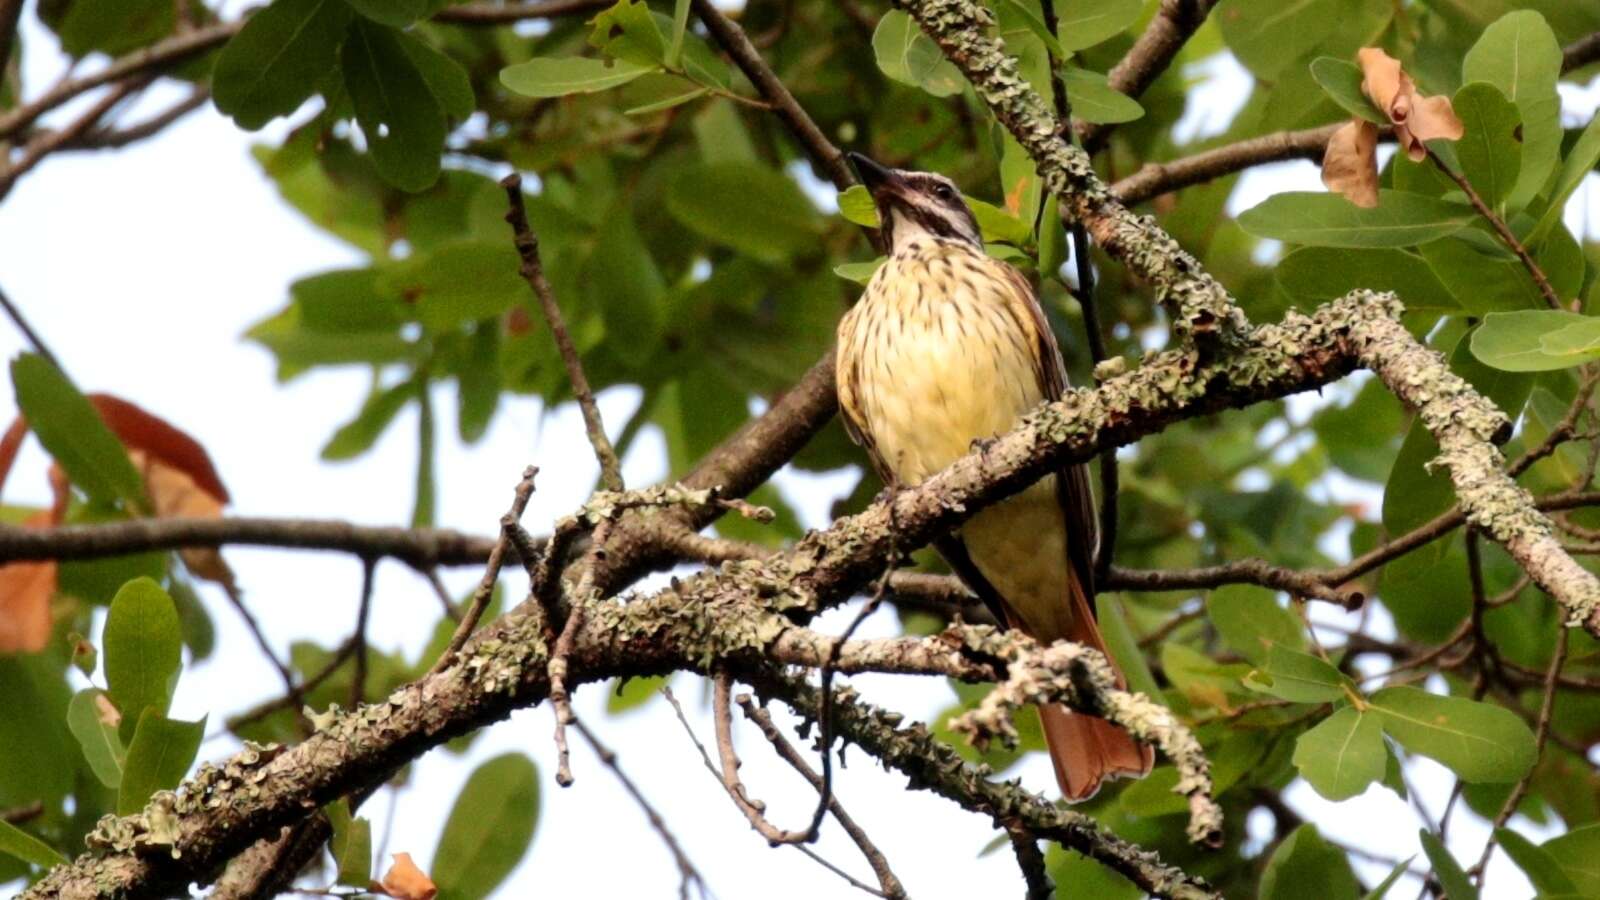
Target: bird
948 346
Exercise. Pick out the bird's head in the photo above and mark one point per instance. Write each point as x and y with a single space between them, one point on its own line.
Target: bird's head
916 206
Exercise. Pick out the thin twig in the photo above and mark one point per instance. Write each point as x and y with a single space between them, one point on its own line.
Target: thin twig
825 698
431 575
891 886
687 873
533 272
43 145
235 596
293 697
1502 230
1541 735
358 637
754 810
34 341
491 573
27 812
560 697
1152 52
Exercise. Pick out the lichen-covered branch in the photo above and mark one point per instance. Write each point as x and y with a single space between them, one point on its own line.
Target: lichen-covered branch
705 618
1063 672
1468 429
935 766
1200 307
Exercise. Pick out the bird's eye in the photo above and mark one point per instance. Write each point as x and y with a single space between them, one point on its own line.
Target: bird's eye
943 192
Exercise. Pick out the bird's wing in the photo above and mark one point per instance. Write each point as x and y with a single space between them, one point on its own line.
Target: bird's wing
1072 482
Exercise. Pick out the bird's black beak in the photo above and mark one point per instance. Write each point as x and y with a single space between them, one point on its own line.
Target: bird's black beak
876 178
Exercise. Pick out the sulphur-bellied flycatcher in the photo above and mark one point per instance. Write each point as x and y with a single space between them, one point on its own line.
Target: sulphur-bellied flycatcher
948 346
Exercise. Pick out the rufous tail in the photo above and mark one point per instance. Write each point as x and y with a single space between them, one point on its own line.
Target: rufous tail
1088 750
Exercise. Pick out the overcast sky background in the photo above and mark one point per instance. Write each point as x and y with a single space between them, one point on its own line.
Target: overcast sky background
142 269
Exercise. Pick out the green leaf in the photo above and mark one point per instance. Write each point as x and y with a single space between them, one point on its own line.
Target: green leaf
632 693
908 56
1445 868
459 282
995 224
400 117
1578 854
560 76
1087 877
1519 55
685 94
446 79
1298 677
102 748
1271 36
1490 149
1526 341
1341 80
159 756
113 27
1485 278
24 846
1304 859
753 209
1093 100
856 205
427 482
143 645
1084 23
478 383
34 738
278 59
680 26
398 13
489 829
351 845
1478 741
1312 276
1328 220
629 31
1029 15
621 279
1251 622
299 348
73 433
1541 867
358 435
859 272
1579 163
1343 755
96 581
344 301
1382 888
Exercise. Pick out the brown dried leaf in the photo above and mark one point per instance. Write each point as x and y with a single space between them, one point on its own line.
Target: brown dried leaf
1416 117
25 592
174 494
405 881
1350 165
141 430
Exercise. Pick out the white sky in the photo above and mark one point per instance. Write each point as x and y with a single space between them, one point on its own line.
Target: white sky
142 269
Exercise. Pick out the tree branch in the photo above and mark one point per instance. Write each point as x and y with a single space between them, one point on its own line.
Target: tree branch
1172 26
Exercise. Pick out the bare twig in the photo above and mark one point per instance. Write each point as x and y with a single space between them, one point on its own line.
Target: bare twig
687 873
491 572
560 698
533 272
293 697
887 882
488 14
34 341
231 590
1541 734
112 138
358 637
733 41
431 575
43 145
1500 229
754 810
27 812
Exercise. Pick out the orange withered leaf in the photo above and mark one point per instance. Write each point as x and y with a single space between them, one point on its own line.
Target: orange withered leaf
1350 165
1416 117
25 592
141 430
404 881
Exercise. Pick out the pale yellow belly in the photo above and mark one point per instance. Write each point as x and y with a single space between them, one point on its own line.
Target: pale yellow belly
930 385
